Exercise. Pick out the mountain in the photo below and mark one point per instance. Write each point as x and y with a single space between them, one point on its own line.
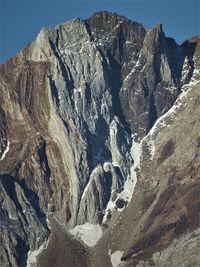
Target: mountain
100 148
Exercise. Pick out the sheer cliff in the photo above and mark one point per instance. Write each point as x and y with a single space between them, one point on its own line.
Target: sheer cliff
99 147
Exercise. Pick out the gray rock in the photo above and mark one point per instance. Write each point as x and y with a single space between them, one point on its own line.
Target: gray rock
74 104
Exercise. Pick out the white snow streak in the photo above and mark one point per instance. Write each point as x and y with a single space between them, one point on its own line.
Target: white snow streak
129 184
88 233
5 151
115 257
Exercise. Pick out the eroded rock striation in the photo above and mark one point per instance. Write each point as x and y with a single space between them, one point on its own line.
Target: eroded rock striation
87 110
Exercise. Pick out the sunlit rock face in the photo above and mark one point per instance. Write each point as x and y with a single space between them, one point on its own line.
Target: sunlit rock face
99 138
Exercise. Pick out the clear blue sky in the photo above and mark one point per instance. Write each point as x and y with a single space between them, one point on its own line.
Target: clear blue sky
20 21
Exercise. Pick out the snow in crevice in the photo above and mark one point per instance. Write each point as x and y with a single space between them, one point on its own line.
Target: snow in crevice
115 257
130 74
137 66
33 255
47 215
5 151
130 182
130 43
117 26
88 233
11 216
187 69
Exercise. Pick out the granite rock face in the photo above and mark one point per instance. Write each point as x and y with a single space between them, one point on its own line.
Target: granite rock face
79 125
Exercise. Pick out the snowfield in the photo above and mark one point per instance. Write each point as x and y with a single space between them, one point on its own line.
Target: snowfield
88 233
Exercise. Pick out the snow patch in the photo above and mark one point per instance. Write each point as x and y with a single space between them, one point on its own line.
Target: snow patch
129 184
12 217
115 257
150 145
129 75
136 153
107 166
32 255
47 215
129 42
88 233
5 151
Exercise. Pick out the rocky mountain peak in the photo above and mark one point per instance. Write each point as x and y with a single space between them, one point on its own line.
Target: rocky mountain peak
89 146
113 24
159 29
106 19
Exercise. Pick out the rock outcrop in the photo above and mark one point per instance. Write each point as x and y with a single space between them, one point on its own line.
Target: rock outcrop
87 110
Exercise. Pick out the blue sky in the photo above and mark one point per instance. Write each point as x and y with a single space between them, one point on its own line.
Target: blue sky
20 21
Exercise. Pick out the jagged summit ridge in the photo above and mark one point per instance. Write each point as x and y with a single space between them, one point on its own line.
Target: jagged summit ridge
75 105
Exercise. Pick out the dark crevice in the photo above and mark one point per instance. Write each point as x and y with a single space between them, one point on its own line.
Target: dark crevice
54 91
9 184
152 111
22 250
66 75
44 161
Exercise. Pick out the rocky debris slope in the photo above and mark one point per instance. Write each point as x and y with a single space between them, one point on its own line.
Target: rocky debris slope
75 105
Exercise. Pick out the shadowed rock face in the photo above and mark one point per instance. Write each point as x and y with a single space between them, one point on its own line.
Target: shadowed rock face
77 110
